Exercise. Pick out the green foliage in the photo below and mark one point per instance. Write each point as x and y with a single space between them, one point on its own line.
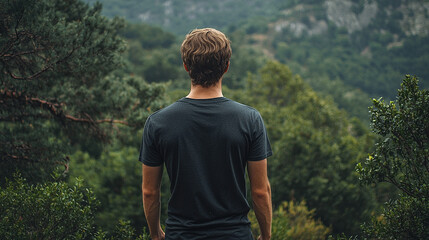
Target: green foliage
315 148
148 36
256 25
124 231
364 64
65 88
302 222
180 17
293 221
46 211
151 53
54 210
59 88
371 59
244 60
353 100
401 157
115 178
404 218
335 57
342 237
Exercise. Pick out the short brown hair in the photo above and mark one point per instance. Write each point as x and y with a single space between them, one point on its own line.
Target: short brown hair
206 53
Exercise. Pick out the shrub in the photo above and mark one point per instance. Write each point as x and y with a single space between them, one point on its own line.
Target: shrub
51 210
293 221
404 218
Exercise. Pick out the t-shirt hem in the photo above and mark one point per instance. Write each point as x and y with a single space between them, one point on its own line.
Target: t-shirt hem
150 164
261 157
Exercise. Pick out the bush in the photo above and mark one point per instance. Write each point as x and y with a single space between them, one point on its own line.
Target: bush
115 177
51 210
404 218
293 221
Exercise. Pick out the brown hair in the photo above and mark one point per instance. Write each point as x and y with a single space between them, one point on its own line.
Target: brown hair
206 53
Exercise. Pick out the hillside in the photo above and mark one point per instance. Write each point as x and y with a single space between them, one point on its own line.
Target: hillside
181 16
78 87
353 50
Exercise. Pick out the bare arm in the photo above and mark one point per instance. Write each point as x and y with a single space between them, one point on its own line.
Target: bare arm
261 196
151 188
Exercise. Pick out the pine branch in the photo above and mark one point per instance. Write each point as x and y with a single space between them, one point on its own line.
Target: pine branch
96 121
37 74
54 108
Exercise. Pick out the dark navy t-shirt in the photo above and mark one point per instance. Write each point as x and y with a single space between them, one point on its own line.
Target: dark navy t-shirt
205 145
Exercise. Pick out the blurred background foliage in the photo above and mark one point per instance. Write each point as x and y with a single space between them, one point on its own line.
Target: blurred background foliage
292 220
78 83
351 50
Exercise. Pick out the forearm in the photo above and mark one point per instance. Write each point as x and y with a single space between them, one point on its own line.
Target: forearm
152 210
263 211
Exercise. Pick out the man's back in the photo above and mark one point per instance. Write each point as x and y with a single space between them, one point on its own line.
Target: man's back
205 144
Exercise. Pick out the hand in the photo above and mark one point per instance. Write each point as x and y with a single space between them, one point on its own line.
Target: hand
263 238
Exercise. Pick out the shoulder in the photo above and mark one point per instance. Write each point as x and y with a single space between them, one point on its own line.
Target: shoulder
248 110
162 113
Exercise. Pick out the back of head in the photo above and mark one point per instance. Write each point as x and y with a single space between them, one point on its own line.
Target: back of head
206 53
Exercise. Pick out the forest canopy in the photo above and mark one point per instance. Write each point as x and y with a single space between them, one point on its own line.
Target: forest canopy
77 87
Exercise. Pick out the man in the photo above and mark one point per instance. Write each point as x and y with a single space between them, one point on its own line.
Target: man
205 142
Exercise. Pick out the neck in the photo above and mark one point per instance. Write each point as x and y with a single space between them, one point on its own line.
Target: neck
199 92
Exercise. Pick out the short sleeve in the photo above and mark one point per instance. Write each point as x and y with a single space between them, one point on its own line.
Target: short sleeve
260 147
149 151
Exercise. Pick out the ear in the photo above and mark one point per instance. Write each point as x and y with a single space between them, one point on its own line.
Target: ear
227 67
186 68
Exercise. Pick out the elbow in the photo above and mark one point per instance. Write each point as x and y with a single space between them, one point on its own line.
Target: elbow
150 194
262 193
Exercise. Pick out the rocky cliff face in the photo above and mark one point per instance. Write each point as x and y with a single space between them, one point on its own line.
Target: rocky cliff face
413 17
414 14
341 13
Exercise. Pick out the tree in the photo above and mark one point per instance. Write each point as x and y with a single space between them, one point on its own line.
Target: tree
115 178
315 148
58 87
53 210
401 158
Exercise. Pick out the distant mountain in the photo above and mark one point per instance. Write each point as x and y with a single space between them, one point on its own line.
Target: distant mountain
181 16
305 16
350 49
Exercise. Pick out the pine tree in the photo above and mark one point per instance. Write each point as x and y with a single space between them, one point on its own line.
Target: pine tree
60 84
